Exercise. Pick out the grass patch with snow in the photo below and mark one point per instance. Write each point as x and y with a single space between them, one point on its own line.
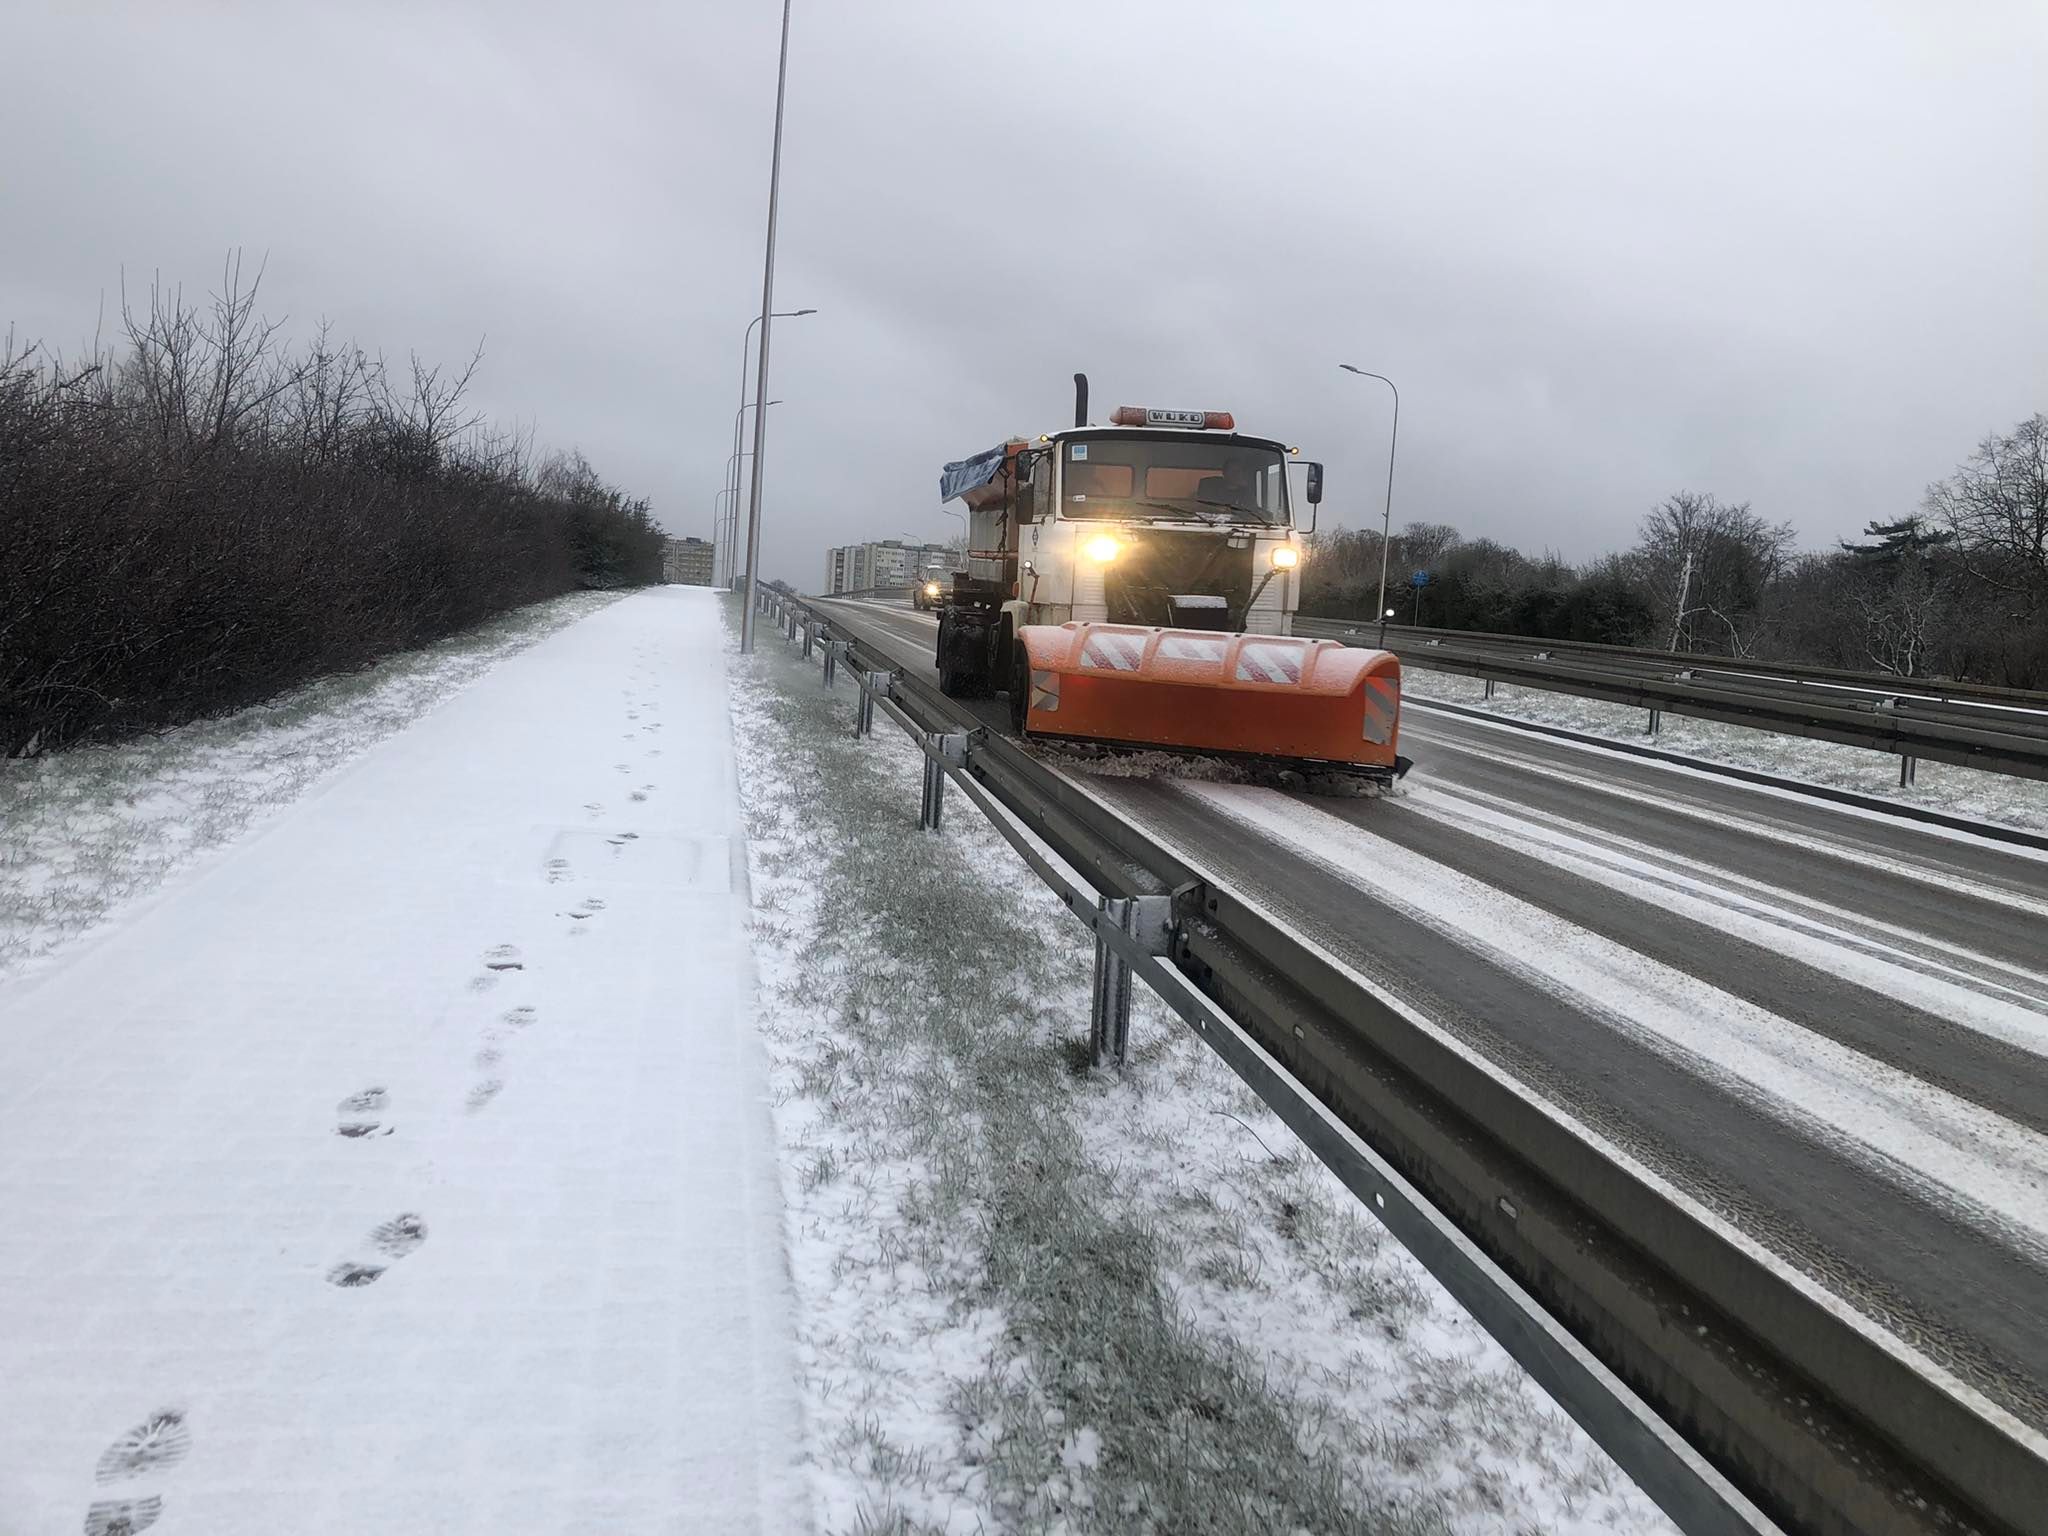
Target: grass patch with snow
1035 1297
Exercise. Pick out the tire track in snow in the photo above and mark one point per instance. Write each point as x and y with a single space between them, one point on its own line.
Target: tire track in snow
2000 999
1916 1136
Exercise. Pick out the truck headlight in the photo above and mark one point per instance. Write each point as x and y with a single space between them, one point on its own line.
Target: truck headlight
931 589
1101 549
1285 557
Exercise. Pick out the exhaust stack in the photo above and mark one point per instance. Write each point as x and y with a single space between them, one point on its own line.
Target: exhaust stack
1080 399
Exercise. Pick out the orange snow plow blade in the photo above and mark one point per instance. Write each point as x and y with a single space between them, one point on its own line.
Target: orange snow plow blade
1197 690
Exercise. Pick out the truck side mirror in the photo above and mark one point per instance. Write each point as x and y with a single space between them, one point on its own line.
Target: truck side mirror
1026 499
1314 489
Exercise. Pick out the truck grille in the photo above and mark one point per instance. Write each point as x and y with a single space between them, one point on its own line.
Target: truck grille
1156 564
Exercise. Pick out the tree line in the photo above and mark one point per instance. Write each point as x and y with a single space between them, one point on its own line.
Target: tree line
201 514
1956 588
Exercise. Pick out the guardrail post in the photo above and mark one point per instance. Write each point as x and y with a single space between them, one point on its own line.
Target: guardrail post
807 639
1489 689
834 649
864 712
1109 1010
1909 770
933 801
942 750
1656 722
1149 921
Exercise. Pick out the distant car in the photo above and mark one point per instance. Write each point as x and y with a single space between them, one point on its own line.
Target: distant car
927 594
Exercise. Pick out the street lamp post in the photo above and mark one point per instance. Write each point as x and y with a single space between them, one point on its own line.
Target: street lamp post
732 487
761 371
1387 518
734 460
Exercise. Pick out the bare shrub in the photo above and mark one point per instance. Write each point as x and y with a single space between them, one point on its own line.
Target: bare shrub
201 516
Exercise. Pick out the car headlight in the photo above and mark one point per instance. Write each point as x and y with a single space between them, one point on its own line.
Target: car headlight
931 589
1285 557
1101 549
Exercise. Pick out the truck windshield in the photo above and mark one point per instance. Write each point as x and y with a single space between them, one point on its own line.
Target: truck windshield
1198 479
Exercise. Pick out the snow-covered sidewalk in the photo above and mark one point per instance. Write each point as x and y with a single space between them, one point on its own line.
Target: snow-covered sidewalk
408 1167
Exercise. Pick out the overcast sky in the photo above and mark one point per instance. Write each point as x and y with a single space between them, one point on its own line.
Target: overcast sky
1789 253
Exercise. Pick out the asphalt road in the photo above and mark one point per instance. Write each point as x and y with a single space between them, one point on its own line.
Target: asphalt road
1829 1026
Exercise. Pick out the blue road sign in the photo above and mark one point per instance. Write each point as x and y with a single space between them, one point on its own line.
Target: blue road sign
1419 579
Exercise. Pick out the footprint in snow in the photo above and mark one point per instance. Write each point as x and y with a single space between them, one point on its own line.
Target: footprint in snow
394 1239
483 1093
503 957
122 1517
358 1112
157 1444
638 794
521 1016
557 871
399 1236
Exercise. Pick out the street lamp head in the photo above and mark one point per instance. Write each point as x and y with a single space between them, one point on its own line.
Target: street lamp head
807 311
1349 368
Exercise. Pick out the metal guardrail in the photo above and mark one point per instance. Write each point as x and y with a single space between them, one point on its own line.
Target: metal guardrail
1723 1385
1976 726
1656 659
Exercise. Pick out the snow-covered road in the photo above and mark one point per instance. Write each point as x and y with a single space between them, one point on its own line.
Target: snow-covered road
409 1168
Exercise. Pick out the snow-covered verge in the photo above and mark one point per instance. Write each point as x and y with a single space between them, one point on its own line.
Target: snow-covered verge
1036 1296
84 831
1993 797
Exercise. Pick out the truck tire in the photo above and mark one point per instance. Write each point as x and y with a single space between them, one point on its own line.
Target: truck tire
1018 671
958 680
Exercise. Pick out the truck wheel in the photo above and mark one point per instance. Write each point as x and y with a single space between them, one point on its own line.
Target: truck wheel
1019 673
956 681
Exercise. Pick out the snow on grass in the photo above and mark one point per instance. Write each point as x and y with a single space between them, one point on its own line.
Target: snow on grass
1994 797
83 831
1035 1296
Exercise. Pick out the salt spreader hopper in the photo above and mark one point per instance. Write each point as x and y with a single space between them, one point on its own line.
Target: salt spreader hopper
1134 585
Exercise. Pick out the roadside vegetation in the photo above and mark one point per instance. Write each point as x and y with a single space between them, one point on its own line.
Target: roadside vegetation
1956 588
201 514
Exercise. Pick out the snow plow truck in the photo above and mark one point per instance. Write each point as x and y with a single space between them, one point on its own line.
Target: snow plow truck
1133 586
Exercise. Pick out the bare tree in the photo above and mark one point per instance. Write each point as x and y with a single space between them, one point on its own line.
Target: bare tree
1898 617
1997 504
1424 545
1706 567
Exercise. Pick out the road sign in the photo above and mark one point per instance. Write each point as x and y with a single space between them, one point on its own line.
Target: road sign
1419 579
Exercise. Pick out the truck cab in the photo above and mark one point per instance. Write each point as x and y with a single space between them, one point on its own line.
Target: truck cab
1169 519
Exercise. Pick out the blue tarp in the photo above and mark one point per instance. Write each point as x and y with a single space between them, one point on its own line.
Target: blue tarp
964 475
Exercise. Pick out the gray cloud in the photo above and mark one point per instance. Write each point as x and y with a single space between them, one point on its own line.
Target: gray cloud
1787 254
